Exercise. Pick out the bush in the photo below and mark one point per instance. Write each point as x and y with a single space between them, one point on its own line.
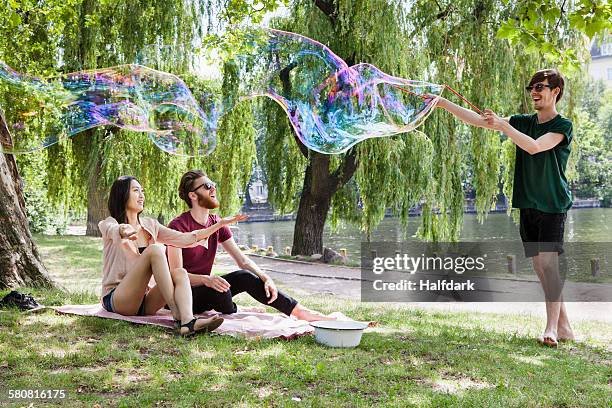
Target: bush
42 216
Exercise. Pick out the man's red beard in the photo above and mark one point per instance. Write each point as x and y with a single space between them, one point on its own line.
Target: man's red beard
207 202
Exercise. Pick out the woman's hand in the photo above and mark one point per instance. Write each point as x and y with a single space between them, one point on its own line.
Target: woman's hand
127 231
234 219
217 283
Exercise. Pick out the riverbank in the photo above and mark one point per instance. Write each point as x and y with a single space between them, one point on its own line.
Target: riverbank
264 213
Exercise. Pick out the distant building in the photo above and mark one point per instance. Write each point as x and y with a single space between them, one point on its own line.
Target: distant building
257 189
258 192
601 60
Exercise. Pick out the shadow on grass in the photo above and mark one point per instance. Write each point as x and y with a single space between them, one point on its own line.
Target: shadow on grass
413 359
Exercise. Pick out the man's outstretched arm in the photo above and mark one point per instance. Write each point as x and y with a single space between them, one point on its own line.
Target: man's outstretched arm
465 115
244 262
493 122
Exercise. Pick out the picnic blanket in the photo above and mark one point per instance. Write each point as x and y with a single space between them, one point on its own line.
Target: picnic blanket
251 323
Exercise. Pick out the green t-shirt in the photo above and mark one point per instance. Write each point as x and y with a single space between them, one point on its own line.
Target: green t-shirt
539 179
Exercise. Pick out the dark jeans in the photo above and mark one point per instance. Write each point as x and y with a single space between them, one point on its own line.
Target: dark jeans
205 298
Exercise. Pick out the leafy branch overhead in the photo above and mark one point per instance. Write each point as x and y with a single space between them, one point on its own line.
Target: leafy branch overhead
539 27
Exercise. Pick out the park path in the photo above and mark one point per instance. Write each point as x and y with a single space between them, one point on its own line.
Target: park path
345 282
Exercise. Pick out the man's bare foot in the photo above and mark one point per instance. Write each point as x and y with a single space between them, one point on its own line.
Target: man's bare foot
548 339
302 313
565 334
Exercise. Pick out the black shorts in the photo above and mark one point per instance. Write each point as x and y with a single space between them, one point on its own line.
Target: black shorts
107 303
541 232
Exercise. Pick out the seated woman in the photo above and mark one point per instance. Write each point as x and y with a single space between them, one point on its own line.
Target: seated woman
134 250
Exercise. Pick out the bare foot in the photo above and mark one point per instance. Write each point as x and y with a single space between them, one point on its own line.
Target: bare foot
548 339
565 334
302 313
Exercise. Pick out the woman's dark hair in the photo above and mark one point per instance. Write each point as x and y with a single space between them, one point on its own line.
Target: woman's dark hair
118 198
555 79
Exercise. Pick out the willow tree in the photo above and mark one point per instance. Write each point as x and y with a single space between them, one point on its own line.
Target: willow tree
448 42
47 38
20 263
108 33
27 43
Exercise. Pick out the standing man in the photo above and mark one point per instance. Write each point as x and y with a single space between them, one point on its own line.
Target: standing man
216 292
541 190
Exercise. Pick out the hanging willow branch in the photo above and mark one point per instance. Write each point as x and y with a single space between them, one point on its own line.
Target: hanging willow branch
431 170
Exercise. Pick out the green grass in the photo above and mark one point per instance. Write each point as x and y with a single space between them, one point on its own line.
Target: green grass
73 261
413 358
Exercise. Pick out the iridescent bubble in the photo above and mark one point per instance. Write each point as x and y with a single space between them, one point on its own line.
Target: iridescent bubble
131 97
331 106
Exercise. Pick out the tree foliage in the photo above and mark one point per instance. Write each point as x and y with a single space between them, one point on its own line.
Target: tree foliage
450 42
461 43
595 141
537 25
52 37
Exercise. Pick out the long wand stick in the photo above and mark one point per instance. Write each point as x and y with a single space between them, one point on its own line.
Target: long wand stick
450 89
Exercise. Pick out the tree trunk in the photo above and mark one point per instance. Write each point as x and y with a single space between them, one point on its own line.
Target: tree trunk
312 211
96 196
20 263
320 185
96 208
86 57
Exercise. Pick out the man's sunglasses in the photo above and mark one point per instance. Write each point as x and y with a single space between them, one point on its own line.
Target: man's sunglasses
208 185
538 87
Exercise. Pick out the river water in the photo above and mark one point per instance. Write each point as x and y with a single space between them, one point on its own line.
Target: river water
582 225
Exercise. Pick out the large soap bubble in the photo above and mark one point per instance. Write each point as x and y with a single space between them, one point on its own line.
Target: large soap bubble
331 106
131 97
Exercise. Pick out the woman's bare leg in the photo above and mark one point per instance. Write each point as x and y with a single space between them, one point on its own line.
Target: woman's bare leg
182 297
128 295
182 294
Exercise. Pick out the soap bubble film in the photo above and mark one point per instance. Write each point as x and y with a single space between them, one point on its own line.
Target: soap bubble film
330 105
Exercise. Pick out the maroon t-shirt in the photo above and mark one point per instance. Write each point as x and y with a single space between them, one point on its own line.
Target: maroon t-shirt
199 260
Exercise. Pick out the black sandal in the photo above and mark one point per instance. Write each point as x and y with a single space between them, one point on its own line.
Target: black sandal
215 322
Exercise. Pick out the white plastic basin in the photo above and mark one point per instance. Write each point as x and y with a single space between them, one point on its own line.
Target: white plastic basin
334 333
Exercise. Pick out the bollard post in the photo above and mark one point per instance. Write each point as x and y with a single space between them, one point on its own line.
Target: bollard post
595 267
343 252
288 250
511 259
